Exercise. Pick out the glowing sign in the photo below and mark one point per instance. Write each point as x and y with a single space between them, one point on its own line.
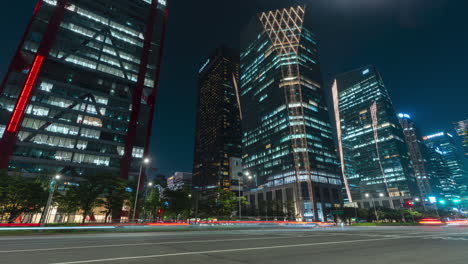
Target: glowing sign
432 199
204 66
366 71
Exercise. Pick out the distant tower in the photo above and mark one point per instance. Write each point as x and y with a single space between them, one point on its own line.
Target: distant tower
371 142
218 135
462 130
416 155
287 137
83 81
445 144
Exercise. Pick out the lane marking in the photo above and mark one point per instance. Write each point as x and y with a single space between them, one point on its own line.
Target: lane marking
151 243
223 251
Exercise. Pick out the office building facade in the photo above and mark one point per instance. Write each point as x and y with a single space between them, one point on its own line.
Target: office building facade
445 144
82 82
218 134
373 153
418 161
180 181
462 131
288 147
442 183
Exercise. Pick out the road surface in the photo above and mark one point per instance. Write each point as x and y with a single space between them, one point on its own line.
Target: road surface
364 245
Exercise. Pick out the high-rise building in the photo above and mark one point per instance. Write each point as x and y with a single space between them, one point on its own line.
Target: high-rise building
82 82
418 161
287 137
373 153
180 181
445 143
442 183
462 130
218 135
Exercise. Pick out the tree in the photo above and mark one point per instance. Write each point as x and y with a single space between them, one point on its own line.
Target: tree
290 210
152 203
88 193
178 203
114 195
67 204
20 195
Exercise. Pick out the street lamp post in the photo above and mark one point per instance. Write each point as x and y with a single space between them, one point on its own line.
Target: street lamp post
53 183
239 191
145 161
373 205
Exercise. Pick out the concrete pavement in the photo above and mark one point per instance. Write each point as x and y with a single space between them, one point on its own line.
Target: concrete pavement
276 245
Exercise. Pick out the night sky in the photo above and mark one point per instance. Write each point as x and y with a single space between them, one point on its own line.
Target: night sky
420 48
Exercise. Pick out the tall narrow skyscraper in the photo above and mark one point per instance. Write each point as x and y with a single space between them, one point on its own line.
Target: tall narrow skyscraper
287 140
371 142
445 144
82 82
218 135
418 161
462 130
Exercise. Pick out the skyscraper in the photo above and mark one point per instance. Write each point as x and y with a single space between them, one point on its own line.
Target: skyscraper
82 82
462 130
218 135
287 138
371 141
445 144
442 183
418 161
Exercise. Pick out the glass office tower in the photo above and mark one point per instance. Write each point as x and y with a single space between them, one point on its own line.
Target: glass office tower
442 183
445 144
287 138
462 130
418 161
81 84
218 135
373 152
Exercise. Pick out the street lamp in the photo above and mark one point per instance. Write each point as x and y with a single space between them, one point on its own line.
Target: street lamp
381 194
53 183
373 205
145 161
239 189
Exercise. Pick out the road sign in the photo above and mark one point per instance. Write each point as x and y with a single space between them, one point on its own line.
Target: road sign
337 212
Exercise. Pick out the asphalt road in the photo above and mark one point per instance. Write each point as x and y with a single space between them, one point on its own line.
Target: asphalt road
285 246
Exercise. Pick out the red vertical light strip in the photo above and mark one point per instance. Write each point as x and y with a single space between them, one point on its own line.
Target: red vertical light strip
23 39
26 92
152 97
137 93
38 7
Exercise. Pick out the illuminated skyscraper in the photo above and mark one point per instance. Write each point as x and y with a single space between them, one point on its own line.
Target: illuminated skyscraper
445 144
372 146
440 178
82 82
462 130
287 140
218 135
418 161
